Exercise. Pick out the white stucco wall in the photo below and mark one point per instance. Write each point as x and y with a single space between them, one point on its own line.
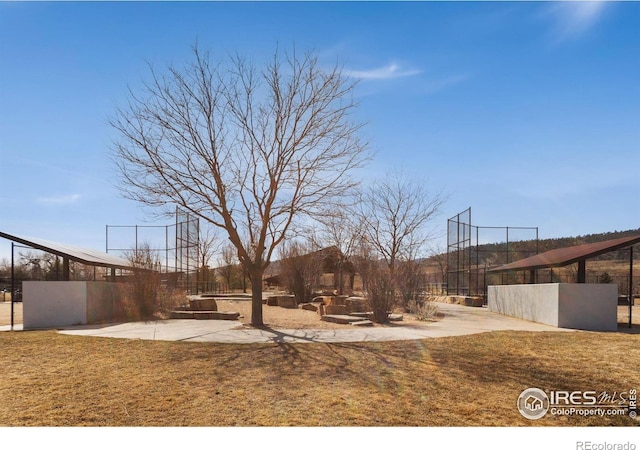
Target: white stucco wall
580 306
589 307
103 301
48 304
535 302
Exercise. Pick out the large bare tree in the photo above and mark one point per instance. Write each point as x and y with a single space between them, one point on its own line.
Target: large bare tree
248 149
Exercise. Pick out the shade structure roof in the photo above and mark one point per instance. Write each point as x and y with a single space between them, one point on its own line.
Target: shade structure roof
568 255
74 253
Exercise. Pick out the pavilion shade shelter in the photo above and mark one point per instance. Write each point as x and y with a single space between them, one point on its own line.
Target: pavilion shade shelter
577 254
67 253
561 257
71 253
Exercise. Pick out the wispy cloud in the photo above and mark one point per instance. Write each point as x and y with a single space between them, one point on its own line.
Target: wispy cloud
383 73
59 200
573 19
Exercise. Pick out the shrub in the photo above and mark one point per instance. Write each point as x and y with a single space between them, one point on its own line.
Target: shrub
144 298
380 295
423 309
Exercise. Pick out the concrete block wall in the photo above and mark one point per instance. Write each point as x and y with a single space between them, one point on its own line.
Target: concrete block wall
50 304
579 306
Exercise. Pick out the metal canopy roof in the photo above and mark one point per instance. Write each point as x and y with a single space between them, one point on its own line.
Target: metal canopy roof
74 253
564 256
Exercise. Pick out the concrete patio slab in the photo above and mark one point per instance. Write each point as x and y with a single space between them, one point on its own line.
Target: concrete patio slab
458 320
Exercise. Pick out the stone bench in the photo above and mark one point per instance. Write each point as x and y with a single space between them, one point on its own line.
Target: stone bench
203 304
284 301
181 314
215 315
347 320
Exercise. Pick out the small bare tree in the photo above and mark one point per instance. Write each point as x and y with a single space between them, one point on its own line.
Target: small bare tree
142 300
396 212
248 149
301 267
342 229
376 280
208 245
439 259
228 269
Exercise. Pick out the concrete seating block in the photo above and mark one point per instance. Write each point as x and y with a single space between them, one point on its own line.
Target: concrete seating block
476 302
340 318
287 301
364 315
356 304
216 315
181 315
203 304
309 306
336 309
362 323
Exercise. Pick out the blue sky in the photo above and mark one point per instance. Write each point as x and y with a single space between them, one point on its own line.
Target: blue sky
527 112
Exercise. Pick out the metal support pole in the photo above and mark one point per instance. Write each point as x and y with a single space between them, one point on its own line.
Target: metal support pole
582 271
630 284
477 261
446 276
176 253
486 288
507 245
66 272
13 278
458 256
188 244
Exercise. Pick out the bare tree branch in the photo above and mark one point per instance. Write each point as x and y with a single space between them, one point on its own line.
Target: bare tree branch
396 212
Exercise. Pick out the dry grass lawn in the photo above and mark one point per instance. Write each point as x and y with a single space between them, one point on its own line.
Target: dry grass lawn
49 379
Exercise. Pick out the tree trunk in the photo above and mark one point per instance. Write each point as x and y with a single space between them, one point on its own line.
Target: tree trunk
256 297
244 281
340 278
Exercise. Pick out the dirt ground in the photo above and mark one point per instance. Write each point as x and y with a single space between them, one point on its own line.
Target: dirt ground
277 317
273 316
5 313
288 318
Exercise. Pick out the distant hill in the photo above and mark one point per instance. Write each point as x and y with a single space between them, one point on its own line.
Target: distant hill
550 244
495 253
